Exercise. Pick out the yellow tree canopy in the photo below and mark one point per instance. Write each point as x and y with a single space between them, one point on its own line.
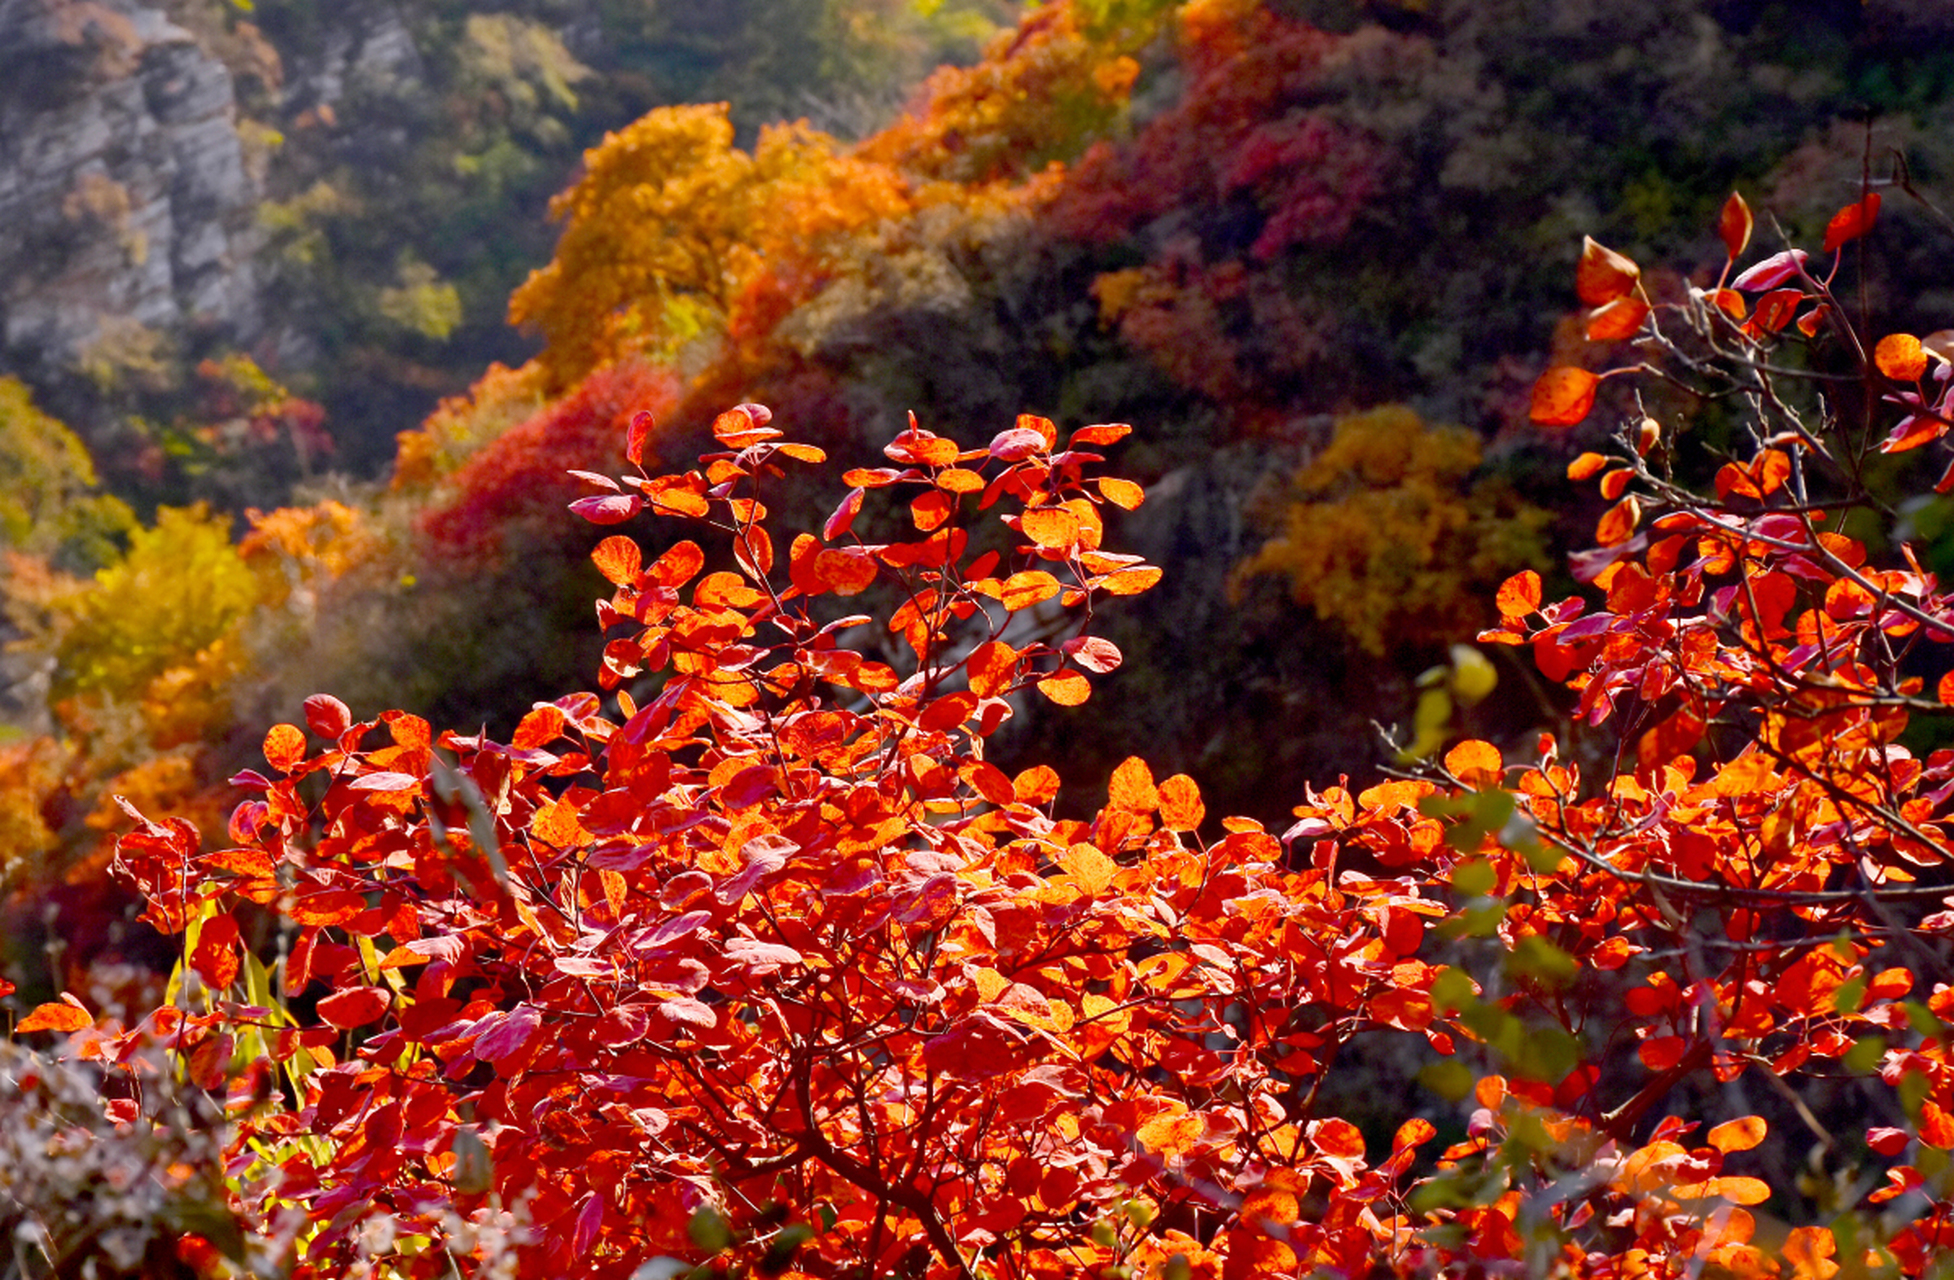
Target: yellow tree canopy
671 221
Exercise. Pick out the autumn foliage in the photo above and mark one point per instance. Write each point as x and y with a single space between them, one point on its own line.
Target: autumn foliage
754 960
775 970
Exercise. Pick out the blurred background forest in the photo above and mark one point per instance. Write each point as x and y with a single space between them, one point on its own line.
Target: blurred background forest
298 336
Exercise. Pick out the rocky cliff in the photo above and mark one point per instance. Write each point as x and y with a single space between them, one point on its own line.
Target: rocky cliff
126 206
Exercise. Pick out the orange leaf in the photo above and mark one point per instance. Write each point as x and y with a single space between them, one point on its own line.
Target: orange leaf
844 571
1131 787
1128 582
1738 1135
1171 1135
1810 1251
1415 1132
727 590
1336 1137
1067 688
1911 432
1053 527
988 781
284 747
1851 222
1620 319
680 563
1121 493
1734 225
1735 1190
1615 483
1519 595
1180 804
1022 590
1901 357
1585 465
1102 433
1092 870
1602 275
1477 764
1618 522
992 666
1036 785
959 480
65 1014
930 509
618 558
1563 396
1772 469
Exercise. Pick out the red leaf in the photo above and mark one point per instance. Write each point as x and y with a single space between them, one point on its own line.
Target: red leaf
385 782
688 1012
1851 222
611 508
1092 653
328 716
1887 1141
843 518
625 1024
1734 225
748 787
760 958
215 958
590 1218
1016 444
1773 271
355 1007
642 424
510 1036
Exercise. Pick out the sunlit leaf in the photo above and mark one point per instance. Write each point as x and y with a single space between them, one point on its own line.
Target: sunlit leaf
1563 396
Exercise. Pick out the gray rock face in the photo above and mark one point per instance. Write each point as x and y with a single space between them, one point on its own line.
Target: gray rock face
124 197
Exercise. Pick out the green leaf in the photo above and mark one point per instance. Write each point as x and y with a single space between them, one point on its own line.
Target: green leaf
710 1231
1453 990
1864 1056
1449 1078
1538 960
